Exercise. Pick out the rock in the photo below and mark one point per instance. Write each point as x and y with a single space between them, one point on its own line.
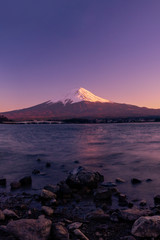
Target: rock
135 181
80 177
120 180
48 164
74 225
35 171
122 200
134 213
109 184
15 185
52 188
76 161
98 215
143 203
26 181
148 180
45 194
102 194
3 181
60 232
114 217
147 227
157 200
79 234
2 216
64 190
27 229
47 210
10 214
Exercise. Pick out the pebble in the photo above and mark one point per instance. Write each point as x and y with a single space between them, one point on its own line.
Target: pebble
47 210
45 194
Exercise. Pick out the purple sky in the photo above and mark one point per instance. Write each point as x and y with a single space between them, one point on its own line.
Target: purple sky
109 47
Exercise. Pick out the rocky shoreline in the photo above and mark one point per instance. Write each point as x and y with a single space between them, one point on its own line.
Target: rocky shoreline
81 207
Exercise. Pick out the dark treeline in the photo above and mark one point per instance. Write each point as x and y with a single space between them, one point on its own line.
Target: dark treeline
3 119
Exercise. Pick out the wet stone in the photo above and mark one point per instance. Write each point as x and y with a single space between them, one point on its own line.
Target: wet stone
47 210
147 227
135 181
109 184
148 180
52 188
143 203
35 172
134 213
120 180
25 229
157 200
60 232
45 194
48 164
80 177
26 181
103 194
3 181
98 215
123 200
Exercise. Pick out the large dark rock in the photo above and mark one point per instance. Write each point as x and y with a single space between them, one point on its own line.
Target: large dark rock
64 190
148 227
26 181
103 194
80 177
134 213
3 181
25 229
157 200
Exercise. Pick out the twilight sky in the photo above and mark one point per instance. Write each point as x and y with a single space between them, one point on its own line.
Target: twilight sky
109 47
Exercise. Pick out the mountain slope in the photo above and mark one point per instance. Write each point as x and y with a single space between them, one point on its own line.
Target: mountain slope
81 104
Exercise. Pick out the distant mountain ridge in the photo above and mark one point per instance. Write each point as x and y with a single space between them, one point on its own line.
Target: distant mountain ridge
80 104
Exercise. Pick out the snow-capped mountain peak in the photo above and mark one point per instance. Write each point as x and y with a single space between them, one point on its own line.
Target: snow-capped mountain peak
82 95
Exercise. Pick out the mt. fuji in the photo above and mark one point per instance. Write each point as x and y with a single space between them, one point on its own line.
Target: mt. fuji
80 104
82 95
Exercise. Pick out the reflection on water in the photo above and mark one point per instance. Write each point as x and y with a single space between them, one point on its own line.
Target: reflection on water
116 150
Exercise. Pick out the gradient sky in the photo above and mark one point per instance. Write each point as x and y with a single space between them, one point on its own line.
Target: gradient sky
109 47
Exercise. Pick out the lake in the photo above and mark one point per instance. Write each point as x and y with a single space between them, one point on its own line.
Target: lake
115 150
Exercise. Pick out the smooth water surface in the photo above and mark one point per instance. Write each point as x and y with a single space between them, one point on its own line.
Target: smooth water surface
115 150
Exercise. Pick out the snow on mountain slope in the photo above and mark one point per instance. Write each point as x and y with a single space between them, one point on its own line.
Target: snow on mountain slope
81 95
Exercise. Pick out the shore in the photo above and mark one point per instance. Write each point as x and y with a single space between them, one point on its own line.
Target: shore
82 206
